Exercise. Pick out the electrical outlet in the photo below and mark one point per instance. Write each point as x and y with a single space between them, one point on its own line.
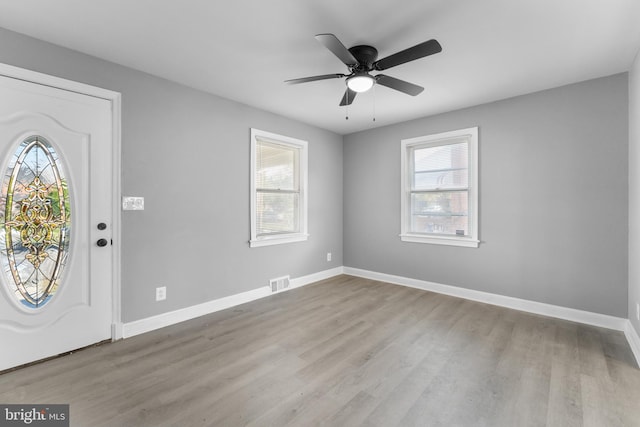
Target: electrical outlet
161 293
328 256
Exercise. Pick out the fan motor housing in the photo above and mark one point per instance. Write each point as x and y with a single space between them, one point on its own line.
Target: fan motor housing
366 56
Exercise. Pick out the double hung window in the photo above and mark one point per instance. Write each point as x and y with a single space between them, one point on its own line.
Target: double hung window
440 189
278 189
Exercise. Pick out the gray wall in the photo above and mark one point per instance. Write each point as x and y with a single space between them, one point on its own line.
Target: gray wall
634 192
553 199
187 153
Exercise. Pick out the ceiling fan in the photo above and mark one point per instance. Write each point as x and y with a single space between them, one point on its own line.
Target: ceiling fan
362 59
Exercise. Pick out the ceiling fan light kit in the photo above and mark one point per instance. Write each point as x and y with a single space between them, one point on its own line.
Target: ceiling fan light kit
360 82
362 59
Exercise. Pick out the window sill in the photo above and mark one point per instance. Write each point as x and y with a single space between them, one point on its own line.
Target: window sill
466 242
277 240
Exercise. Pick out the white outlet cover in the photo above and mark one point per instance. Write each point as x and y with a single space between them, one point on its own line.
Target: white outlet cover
132 203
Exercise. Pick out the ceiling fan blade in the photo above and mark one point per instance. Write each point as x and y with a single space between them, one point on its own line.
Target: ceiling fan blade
314 78
411 54
348 97
332 43
400 85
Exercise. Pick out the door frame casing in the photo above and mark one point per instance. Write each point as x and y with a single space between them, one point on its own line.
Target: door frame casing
115 98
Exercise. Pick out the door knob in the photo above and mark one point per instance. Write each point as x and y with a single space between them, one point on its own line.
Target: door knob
102 242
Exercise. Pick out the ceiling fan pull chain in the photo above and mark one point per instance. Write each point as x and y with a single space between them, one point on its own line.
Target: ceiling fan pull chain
346 117
374 103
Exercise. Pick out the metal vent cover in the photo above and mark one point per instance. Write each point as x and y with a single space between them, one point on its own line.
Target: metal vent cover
279 283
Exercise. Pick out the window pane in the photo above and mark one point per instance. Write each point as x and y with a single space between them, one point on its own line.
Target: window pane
277 213
35 223
441 180
440 212
443 166
276 166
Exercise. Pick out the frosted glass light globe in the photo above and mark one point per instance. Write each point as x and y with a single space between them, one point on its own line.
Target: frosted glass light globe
360 82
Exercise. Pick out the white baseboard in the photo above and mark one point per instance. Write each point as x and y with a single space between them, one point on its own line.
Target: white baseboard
170 318
634 340
167 319
580 316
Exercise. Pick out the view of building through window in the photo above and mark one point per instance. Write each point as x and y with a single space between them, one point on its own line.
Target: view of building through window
439 189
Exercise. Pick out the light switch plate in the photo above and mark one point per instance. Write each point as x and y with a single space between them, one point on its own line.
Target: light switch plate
130 203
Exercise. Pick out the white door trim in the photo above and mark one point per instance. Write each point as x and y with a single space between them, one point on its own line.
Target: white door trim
116 100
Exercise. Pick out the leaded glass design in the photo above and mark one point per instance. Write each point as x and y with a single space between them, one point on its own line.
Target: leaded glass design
35 222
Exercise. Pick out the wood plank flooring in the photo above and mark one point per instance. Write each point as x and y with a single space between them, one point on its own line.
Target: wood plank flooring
347 352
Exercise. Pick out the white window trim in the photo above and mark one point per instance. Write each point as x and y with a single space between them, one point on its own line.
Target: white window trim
276 239
469 135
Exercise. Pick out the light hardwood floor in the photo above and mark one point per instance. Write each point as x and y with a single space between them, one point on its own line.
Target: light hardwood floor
347 352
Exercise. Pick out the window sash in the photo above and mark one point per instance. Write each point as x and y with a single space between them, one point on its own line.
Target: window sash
436 166
277 221
432 218
277 166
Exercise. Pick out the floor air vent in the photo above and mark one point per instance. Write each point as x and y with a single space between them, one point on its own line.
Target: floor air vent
279 283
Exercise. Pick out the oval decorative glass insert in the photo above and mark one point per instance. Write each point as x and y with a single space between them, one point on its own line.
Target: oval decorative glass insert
35 222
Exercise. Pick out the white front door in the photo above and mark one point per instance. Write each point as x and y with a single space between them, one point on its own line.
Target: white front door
55 221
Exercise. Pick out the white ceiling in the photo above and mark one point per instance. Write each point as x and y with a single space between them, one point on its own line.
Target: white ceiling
244 49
